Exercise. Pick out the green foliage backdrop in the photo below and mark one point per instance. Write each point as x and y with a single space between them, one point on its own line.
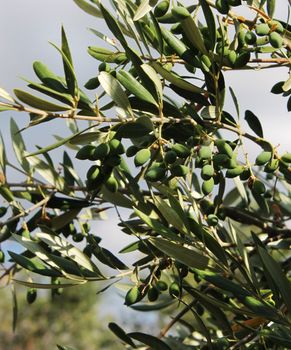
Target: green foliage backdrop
210 220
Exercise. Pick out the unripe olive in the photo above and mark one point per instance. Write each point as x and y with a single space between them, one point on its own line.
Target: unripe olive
242 59
276 25
101 151
234 2
116 147
111 184
113 161
231 173
262 29
92 83
78 237
220 160
85 152
241 37
153 294
250 38
31 295
181 150
176 29
231 163
276 40
258 187
263 158
162 286
142 156
232 57
207 172
245 174
131 151
161 8
212 220
170 157
222 6
133 296
179 170
286 157
93 173
207 186
104 67
205 152
174 290
224 147
155 174
272 166
2 257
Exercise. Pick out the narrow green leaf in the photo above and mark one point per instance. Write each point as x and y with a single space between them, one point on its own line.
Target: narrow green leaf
68 164
88 8
143 9
158 33
36 249
18 145
103 37
3 158
193 34
34 265
287 85
158 227
113 88
186 256
170 214
113 25
151 73
48 78
135 87
68 65
210 242
47 285
153 342
210 21
14 307
117 199
39 103
254 123
175 79
271 4
277 275
61 96
68 250
121 334
62 220
58 144
47 172
71 79
235 101
4 94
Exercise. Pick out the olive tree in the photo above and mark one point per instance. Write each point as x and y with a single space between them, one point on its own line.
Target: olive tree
209 218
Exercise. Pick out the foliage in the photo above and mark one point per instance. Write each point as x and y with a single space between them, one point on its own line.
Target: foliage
41 324
210 221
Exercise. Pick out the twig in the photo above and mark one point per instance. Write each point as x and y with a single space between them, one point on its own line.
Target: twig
27 211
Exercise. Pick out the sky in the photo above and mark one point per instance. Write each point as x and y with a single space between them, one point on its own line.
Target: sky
26 27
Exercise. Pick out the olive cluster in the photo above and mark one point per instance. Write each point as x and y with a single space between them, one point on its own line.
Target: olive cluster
171 163
109 156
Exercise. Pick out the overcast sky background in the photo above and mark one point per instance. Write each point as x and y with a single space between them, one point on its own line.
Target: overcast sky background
27 26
